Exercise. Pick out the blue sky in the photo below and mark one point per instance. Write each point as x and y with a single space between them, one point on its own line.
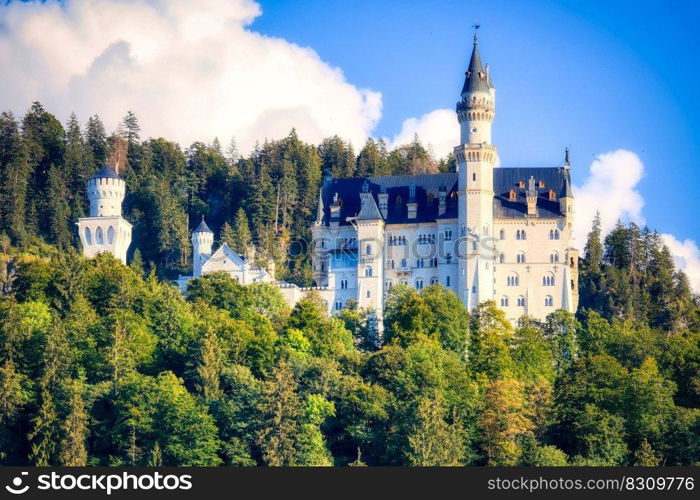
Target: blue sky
595 75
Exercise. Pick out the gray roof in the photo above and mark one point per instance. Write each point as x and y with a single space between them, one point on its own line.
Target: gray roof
397 188
505 179
105 172
476 78
203 228
368 208
566 188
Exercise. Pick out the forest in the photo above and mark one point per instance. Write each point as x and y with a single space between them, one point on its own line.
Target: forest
107 364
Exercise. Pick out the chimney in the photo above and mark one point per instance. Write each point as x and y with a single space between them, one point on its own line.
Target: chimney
411 205
383 202
531 196
442 200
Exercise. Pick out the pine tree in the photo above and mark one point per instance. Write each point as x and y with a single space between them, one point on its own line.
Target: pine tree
78 167
281 409
74 428
59 212
433 441
241 236
209 368
645 456
14 177
96 140
44 434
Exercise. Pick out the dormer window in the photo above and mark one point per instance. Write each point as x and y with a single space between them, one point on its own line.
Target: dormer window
552 195
541 184
399 200
512 196
521 184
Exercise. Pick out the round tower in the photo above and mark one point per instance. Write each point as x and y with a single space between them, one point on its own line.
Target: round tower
202 241
106 190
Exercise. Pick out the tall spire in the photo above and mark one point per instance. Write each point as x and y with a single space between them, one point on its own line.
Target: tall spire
477 79
319 210
567 163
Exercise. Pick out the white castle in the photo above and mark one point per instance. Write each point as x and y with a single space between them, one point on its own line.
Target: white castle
487 233
105 230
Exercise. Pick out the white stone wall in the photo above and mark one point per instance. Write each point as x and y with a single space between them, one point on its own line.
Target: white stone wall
105 234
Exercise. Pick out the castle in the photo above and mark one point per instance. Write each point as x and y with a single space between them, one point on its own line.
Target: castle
487 233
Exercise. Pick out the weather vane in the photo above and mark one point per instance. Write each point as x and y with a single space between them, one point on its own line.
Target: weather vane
476 26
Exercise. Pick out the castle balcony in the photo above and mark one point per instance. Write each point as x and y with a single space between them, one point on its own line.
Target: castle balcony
404 269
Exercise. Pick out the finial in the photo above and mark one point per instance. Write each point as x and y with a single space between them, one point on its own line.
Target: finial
566 156
476 26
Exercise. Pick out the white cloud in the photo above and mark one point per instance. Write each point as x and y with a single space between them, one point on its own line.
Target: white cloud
687 257
437 130
190 72
611 190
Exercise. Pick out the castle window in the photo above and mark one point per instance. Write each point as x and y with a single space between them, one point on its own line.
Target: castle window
448 258
504 301
502 234
548 279
368 271
521 301
399 200
554 257
343 284
512 196
502 258
404 282
553 234
387 285
474 177
521 184
572 262
520 258
433 281
548 301
110 235
541 184
368 249
447 282
368 294
419 284
552 195
448 235
513 280
99 237
420 263
88 236
520 234
391 264
474 245
338 305
323 266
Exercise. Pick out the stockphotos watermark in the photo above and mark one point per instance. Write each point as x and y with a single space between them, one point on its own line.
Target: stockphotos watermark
102 483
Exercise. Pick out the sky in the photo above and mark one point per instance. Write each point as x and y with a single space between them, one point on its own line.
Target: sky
615 81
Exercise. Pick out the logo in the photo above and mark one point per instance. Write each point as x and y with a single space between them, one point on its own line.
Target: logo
17 482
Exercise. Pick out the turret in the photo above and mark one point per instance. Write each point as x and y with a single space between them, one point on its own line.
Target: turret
105 230
566 196
202 241
106 190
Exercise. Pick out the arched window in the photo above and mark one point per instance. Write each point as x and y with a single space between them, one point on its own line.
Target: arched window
521 301
387 285
368 294
368 249
512 195
474 245
548 301
88 236
513 279
553 234
404 282
110 235
502 234
99 237
554 257
433 280
343 284
338 305
548 279
447 281
474 176
504 301
520 258
368 271
502 258
520 234
419 284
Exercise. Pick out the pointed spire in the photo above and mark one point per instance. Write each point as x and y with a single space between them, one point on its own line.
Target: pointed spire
567 163
566 188
319 209
203 228
477 79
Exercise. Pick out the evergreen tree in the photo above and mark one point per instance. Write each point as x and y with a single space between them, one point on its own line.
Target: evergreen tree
240 237
433 441
59 212
96 140
74 428
14 177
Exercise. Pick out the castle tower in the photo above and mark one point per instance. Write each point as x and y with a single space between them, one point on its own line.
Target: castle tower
202 241
476 157
105 230
370 235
